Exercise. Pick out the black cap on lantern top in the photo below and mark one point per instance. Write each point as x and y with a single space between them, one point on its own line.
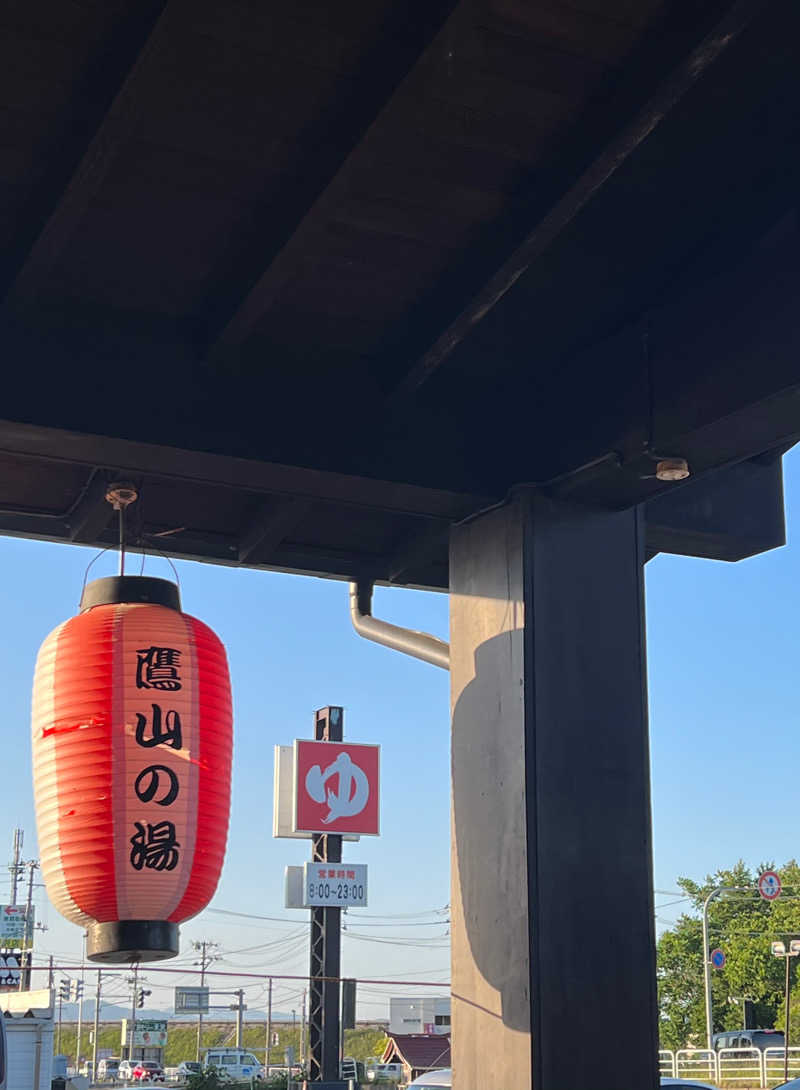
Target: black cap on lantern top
118 589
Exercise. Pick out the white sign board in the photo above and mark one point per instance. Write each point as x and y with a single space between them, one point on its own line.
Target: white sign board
12 924
9 969
149 1033
294 888
335 885
191 1000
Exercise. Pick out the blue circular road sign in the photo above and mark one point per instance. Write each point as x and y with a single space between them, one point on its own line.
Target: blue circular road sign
718 958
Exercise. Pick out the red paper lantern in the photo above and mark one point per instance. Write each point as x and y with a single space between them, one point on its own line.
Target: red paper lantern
132 739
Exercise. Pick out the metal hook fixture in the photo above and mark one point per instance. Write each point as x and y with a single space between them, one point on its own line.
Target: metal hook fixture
121 495
669 467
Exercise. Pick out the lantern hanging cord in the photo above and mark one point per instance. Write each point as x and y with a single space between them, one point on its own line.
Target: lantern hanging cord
121 540
121 496
89 567
150 546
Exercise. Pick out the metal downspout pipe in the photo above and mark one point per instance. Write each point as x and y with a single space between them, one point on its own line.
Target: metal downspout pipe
420 645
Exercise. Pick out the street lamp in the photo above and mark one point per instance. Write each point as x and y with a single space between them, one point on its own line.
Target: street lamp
779 951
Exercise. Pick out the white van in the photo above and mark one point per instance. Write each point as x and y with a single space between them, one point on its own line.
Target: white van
232 1063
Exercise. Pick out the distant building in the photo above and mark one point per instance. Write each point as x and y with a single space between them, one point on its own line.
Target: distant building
421 1014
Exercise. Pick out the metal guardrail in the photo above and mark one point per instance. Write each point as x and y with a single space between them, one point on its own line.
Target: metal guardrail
696 1063
730 1068
744 1066
666 1064
773 1064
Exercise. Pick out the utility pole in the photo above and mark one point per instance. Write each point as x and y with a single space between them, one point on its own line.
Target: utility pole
205 960
63 993
96 1026
27 942
303 1031
134 983
80 1003
17 866
239 1016
269 1027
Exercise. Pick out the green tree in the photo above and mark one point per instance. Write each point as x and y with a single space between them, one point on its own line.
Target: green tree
743 925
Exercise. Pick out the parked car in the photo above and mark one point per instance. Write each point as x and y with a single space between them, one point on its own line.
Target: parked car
384 1072
748 1038
687 1084
434 1079
125 1070
108 1068
232 1063
148 1071
186 1068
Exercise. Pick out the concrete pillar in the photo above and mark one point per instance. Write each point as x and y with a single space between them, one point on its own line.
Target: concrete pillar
552 913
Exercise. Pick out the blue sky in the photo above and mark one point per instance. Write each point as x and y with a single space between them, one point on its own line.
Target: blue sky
722 651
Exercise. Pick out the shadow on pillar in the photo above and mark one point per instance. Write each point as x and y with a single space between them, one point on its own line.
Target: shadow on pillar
491 848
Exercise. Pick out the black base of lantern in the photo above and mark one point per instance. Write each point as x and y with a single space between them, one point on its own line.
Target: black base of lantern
132 940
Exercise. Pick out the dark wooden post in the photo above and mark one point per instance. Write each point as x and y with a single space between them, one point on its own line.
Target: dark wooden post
553 928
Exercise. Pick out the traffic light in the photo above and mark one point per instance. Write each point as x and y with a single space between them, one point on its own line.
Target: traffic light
140 996
348 1005
75 991
64 987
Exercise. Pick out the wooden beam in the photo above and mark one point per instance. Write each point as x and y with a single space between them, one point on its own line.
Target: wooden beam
582 190
111 136
728 514
160 462
388 72
268 528
417 551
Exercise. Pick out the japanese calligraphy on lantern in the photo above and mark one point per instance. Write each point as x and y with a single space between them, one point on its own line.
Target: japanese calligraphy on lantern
156 767
336 788
157 668
154 844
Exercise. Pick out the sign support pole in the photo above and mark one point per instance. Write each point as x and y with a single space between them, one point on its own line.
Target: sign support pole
325 962
134 990
788 1021
96 1033
269 1027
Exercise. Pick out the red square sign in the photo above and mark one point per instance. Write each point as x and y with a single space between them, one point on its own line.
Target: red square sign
336 788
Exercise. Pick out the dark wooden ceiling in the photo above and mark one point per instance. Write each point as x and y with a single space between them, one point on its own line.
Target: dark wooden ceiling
323 278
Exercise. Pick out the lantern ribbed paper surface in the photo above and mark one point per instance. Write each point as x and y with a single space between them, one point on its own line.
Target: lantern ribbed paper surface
132 739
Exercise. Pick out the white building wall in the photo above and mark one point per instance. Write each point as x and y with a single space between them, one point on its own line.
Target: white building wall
420 1014
30 1045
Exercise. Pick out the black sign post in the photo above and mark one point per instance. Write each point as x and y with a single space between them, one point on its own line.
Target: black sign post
323 1016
